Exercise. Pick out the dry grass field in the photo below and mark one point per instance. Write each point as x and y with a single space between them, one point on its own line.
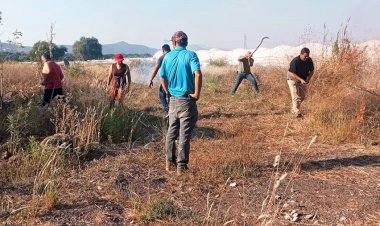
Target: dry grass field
251 161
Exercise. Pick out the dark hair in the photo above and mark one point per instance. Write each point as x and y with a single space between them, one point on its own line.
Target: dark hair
166 48
182 42
46 56
305 50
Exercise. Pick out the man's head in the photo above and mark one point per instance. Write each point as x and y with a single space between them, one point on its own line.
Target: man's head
248 54
305 54
165 48
45 57
179 39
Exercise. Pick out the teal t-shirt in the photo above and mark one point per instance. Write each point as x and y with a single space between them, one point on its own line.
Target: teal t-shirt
178 69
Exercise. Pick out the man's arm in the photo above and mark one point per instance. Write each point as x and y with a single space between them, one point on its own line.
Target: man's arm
164 83
46 69
45 72
310 75
198 84
311 70
241 58
129 80
109 75
250 62
163 76
61 76
296 77
153 74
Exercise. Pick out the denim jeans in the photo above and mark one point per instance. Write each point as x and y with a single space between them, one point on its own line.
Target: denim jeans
249 77
163 99
183 115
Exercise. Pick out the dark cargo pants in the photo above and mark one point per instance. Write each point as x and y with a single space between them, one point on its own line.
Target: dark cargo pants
183 115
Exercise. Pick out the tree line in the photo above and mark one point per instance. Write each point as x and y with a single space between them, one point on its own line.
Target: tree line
83 49
86 48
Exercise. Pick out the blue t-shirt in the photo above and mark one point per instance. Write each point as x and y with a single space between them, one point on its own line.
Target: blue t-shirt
178 69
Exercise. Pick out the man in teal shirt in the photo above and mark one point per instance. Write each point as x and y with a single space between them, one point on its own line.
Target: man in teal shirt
181 77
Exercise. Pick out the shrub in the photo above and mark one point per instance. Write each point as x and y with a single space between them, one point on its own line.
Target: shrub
160 209
213 83
119 125
24 122
82 128
219 62
75 70
332 101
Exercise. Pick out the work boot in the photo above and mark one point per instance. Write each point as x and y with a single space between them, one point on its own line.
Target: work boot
299 115
182 170
170 167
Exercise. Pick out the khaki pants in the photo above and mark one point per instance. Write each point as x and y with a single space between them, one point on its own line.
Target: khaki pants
297 91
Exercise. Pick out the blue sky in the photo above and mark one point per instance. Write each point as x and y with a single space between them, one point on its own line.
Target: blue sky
213 23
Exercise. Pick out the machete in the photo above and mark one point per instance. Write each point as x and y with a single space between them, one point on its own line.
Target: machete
259 45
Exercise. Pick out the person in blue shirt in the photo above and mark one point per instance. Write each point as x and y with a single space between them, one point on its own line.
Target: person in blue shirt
181 77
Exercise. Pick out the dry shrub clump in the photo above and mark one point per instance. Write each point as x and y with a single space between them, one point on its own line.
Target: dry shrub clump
340 102
82 127
219 62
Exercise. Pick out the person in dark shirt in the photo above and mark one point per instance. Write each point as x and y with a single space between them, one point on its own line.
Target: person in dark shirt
162 93
244 72
300 72
119 75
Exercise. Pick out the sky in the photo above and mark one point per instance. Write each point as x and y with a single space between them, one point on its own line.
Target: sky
211 23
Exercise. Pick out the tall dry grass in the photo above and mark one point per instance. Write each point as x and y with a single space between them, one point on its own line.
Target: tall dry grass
342 101
81 117
341 106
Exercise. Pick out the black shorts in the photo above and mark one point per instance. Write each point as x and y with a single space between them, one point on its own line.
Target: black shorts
49 94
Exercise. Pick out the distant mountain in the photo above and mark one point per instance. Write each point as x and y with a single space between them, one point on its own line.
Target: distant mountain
121 47
6 47
124 47
196 47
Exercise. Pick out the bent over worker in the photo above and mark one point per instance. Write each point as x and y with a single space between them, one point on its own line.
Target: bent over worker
244 72
300 72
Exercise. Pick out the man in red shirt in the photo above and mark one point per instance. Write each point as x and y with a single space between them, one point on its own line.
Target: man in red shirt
52 77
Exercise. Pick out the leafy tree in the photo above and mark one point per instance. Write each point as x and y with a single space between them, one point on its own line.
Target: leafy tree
42 47
87 49
69 56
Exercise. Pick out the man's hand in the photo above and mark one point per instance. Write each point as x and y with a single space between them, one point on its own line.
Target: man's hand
194 96
150 84
303 82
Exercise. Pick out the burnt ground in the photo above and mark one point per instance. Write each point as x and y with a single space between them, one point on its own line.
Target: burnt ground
336 184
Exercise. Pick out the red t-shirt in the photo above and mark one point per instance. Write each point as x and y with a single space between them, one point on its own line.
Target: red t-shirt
54 79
